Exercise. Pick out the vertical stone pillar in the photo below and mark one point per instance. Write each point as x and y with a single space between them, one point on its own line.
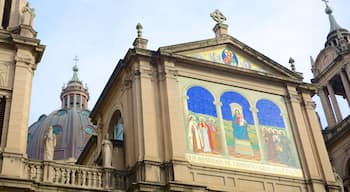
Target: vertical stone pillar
218 105
334 102
347 69
75 101
346 86
174 112
16 142
68 101
149 111
2 7
16 13
320 147
307 154
20 104
327 107
137 108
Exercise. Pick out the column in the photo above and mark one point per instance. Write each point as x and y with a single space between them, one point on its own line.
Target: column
2 7
258 133
347 69
218 105
334 102
81 102
68 101
346 86
75 101
327 108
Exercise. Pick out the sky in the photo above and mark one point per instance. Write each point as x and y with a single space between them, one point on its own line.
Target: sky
101 32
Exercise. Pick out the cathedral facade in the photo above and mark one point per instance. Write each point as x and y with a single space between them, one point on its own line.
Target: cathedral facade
209 115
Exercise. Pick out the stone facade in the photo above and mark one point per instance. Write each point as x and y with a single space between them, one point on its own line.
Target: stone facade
256 125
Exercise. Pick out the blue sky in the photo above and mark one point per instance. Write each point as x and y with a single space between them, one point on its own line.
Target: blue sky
100 33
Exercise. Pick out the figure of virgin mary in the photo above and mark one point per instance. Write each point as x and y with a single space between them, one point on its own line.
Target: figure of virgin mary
240 131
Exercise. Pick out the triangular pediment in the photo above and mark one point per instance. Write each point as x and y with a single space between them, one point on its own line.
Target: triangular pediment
229 51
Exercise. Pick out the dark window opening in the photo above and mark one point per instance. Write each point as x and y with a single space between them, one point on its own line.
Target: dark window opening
6 14
335 42
2 114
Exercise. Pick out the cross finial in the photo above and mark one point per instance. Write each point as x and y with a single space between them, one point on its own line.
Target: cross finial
139 30
76 60
218 16
291 62
326 2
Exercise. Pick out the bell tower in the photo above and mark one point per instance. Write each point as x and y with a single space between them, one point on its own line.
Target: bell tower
20 52
332 70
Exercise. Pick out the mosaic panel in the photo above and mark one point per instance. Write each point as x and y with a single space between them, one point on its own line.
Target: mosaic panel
238 128
226 55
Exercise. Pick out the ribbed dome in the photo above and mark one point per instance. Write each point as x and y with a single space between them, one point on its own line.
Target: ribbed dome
71 124
72 129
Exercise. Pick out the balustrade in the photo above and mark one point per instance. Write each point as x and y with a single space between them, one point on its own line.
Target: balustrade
65 174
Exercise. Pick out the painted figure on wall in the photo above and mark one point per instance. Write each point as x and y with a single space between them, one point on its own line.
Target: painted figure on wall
229 57
194 135
270 146
285 154
214 134
207 137
240 132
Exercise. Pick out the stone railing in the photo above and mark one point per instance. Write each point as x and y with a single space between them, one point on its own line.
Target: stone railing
70 175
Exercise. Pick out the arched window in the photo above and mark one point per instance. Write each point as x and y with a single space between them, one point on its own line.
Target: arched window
118 132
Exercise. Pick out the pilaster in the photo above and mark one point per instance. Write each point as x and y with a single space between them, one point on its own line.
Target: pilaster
172 111
316 136
309 159
19 112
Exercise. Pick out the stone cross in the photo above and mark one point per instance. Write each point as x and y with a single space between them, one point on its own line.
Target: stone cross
139 30
291 62
218 17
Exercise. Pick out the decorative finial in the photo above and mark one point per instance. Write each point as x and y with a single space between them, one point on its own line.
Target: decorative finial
75 69
140 42
291 62
139 30
76 60
328 10
218 17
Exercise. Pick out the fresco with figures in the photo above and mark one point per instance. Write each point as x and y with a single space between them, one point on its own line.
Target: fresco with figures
237 128
226 55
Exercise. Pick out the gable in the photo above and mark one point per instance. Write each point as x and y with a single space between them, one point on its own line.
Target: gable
228 55
230 51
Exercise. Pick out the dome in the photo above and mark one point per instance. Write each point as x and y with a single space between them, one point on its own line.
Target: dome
72 128
71 124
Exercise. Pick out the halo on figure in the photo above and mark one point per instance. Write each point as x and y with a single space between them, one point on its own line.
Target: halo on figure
236 107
